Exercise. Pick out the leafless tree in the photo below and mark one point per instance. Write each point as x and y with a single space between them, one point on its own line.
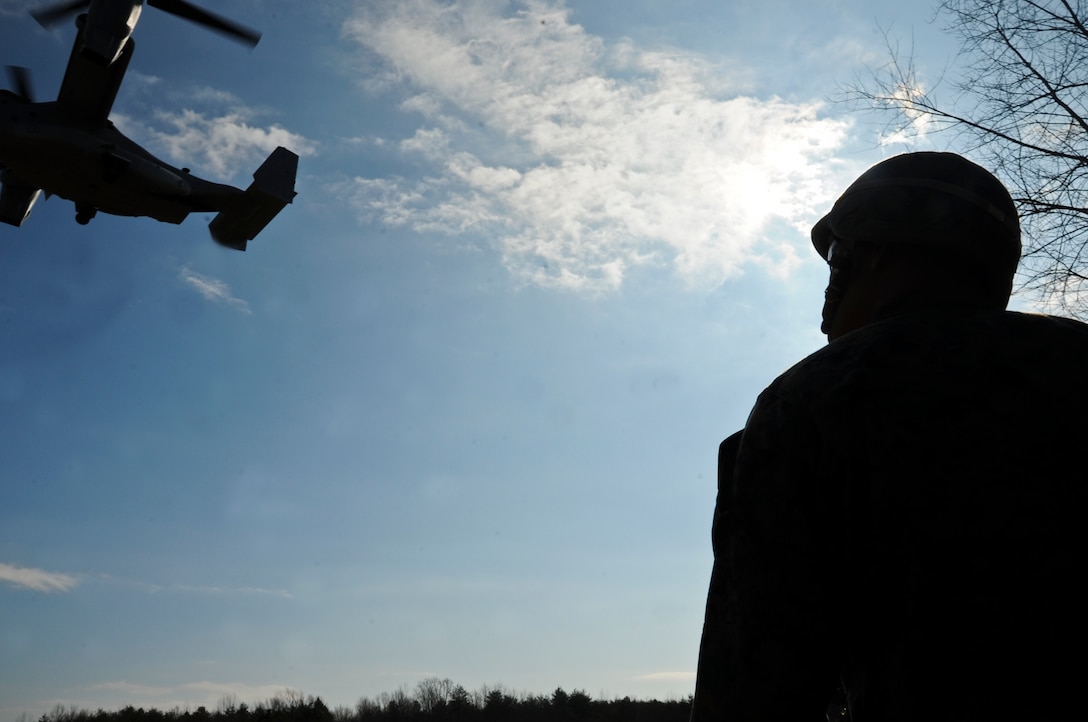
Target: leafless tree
433 693
228 704
1016 99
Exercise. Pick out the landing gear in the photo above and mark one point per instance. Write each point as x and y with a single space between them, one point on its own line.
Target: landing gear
85 213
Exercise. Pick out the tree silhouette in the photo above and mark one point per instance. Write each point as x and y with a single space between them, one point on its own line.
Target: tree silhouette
460 702
433 693
579 703
433 699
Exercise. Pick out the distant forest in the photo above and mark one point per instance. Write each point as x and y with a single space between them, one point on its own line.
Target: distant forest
432 699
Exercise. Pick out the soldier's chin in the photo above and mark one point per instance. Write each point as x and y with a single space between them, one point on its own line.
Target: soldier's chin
828 316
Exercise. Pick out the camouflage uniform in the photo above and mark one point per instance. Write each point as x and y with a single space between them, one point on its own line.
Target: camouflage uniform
904 511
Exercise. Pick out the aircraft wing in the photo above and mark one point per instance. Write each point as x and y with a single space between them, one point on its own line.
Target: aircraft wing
89 86
16 198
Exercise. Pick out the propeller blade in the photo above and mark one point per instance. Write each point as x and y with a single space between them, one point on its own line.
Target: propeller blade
192 13
20 78
50 15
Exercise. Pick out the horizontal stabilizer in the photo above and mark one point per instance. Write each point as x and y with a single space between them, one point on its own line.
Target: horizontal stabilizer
16 198
273 187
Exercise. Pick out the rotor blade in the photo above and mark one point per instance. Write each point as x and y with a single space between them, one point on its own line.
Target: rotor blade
52 14
20 78
188 11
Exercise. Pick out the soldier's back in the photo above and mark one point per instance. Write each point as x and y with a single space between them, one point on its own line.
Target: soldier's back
957 447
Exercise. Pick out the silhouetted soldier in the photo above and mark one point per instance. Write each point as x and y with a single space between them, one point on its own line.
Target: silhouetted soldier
904 512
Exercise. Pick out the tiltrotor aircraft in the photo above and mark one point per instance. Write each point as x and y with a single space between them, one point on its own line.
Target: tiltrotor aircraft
69 148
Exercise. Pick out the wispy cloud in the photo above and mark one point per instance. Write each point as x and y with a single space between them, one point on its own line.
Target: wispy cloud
585 160
201 589
130 689
14 7
37 580
40 580
214 132
916 125
212 289
223 144
666 676
225 591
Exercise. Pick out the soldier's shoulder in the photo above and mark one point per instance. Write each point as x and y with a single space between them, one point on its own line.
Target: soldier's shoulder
1058 326
913 343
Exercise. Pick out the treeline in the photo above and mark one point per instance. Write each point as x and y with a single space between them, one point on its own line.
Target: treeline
432 700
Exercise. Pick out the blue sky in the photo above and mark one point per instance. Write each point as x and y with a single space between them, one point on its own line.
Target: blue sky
455 412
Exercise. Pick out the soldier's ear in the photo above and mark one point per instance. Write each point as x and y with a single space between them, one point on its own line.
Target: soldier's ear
894 257
871 257
876 260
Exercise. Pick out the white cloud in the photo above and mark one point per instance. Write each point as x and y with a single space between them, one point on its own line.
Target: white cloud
37 580
216 134
137 82
225 144
917 125
212 289
592 159
203 589
129 689
14 7
666 676
222 591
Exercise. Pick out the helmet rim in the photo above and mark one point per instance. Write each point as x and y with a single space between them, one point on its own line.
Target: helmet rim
926 179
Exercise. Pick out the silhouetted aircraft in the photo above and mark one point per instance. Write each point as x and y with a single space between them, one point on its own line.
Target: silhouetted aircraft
69 148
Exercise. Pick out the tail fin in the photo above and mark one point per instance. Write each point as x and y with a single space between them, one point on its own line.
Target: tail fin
272 188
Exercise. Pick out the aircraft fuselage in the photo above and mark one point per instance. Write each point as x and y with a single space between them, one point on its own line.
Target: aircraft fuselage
100 168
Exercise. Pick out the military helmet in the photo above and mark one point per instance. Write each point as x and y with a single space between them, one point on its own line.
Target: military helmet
927 198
